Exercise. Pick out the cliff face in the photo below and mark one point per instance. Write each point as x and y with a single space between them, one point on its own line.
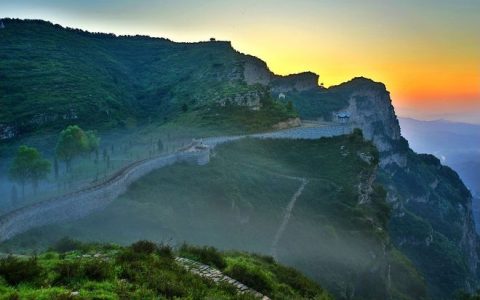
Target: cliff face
256 72
433 223
432 219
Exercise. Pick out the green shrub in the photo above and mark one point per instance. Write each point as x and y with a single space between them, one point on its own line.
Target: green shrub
252 278
207 255
132 271
67 272
144 247
297 281
165 251
265 258
166 284
15 270
98 270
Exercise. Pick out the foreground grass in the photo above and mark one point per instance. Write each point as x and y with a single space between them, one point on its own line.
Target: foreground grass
144 270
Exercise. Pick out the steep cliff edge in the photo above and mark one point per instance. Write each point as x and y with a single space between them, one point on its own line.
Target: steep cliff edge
432 220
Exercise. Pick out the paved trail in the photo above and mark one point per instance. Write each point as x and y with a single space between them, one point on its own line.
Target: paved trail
217 276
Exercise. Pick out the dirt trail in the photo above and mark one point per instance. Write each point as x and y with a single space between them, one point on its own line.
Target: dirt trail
286 217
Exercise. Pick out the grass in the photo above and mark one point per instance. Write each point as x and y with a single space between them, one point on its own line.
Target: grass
144 270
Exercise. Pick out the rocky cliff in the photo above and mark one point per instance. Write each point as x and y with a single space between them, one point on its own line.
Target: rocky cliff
432 220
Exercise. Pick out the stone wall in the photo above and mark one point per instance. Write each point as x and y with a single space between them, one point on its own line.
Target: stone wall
83 202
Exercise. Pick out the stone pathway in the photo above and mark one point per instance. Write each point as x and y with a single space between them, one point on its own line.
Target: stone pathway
216 276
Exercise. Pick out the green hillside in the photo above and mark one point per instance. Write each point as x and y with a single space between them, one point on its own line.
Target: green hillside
52 76
144 270
238 201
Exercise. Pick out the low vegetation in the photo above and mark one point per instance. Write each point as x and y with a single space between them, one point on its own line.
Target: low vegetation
144 270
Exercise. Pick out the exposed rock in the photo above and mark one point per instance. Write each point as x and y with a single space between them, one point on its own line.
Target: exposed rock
256 72
298 82
7 132
370 109
292 122
249 98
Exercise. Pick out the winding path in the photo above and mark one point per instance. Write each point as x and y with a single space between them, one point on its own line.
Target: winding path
95 197
287 215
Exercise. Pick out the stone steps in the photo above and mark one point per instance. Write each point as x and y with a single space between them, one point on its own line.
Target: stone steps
216 276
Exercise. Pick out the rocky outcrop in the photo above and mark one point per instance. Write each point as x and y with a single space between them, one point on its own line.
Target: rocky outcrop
295 82
251 99
370 108
7 131
256 71
293 122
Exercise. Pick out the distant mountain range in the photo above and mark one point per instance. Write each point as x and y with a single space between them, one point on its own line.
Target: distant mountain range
455 144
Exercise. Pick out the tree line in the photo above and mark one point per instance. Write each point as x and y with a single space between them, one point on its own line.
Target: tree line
30 167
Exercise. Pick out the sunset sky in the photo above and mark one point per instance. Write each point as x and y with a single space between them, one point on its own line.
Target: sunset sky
426 52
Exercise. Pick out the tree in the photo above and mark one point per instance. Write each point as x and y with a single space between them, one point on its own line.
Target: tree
159 145
55 167
29 166
93 141
184 107
14 194
41 169
72 142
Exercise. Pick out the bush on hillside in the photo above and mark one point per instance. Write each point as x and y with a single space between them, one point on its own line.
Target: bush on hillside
297 281
15 270
165 251
143 247
98 270
252 278
67 272
207 255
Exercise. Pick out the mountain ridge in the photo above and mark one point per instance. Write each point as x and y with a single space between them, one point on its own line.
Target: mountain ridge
101 80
